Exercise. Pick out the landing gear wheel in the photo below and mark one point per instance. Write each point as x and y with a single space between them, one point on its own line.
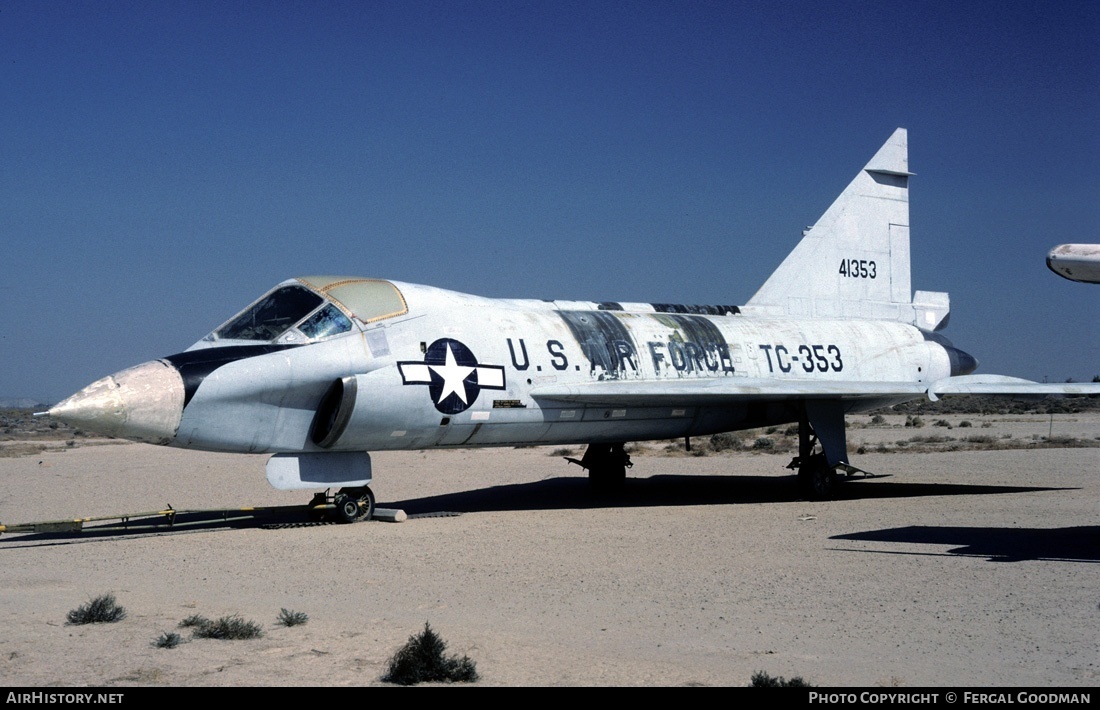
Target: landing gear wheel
354 504
817 478
606 464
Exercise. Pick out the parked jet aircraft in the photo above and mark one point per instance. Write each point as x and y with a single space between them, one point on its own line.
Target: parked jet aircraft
322 369
1076 262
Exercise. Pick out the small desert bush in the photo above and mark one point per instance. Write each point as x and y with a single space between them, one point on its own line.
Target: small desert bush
422 660
101 610
760 679
292 618
562 452
169 639
1067 441
193 621
229 628
763 443
724 441
930 439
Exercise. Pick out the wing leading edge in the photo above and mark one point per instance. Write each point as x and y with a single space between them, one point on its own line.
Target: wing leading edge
1004 386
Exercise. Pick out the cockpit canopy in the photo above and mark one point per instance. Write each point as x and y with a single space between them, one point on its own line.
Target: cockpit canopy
281 310
312 308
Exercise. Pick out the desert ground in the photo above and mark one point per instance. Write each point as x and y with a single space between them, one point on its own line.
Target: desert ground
969 567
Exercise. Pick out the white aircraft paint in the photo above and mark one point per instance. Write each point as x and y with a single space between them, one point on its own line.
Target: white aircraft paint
1076 262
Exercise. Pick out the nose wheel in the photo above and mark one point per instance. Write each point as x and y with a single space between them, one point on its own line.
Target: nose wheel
354 504
349 505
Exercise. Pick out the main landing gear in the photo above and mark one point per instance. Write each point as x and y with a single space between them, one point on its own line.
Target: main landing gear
349 505
606 465
816 478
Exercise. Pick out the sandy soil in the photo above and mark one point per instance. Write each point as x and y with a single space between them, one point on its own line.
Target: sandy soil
960 568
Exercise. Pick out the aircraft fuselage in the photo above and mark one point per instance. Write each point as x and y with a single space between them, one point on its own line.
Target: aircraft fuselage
460 370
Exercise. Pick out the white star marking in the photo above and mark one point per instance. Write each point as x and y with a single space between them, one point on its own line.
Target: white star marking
453 375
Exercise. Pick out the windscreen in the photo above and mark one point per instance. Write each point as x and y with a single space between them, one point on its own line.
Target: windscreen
325 322
272 315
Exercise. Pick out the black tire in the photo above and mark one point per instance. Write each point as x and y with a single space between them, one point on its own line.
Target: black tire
354 505
606 464
817 479
347 508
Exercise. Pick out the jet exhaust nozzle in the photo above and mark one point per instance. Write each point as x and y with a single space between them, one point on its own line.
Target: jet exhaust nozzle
962 362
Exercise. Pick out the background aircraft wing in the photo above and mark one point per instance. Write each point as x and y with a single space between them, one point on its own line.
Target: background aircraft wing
1002 385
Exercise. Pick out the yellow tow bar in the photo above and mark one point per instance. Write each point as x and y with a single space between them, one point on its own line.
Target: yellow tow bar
151 520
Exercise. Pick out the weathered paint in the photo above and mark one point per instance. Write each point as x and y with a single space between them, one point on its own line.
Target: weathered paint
1076 262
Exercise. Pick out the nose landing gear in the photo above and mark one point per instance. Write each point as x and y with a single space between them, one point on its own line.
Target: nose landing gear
349 505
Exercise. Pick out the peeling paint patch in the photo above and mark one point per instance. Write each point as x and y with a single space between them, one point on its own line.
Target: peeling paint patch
700 310
605 342
696 346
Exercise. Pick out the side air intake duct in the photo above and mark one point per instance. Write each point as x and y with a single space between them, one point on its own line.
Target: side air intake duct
334 412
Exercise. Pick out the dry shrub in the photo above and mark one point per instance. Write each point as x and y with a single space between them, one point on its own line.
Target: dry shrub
229 628
292 618
422 660
101 610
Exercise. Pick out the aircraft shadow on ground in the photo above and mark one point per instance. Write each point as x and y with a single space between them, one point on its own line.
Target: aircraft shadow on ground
1077 544
675 490
566 493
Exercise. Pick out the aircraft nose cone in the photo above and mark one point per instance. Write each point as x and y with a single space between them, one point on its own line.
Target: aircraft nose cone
143 403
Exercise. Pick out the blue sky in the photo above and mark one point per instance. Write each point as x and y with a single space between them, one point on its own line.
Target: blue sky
165 163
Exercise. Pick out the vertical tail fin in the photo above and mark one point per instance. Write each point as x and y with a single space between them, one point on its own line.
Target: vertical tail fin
854 263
